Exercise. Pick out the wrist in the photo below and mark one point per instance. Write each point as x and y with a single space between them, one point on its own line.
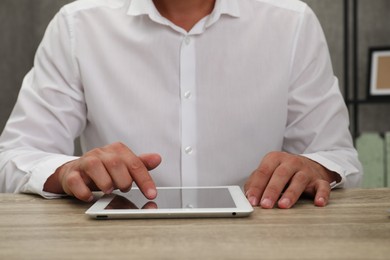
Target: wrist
326 174
329 176
53 183
332 177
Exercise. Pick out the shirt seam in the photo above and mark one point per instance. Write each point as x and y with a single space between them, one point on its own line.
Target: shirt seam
69 20
295 41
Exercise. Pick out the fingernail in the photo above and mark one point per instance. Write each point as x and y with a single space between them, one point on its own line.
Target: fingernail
109 191
253 201
126 190
90 198
266 203
321 201
151 193
285 203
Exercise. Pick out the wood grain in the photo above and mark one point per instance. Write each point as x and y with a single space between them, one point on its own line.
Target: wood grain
355 225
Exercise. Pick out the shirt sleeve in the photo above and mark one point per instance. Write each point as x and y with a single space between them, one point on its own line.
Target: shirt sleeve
318 120
49 114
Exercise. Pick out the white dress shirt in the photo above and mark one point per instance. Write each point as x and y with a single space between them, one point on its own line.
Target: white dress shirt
252 77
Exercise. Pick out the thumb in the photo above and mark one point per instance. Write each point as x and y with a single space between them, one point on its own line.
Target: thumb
150 160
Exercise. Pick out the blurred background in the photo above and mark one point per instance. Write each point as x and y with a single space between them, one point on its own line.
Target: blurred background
352 28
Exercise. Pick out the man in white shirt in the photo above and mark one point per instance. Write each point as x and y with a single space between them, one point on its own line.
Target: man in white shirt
206 92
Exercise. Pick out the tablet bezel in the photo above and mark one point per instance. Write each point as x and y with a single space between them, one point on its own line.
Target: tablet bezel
242 209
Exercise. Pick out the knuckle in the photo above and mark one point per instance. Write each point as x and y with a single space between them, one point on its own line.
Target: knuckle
82 195
292 193
301 177
124 186
136 165
113 162
118 146
273 190
324 185
272 155
263 170
94 152
89 162
282 170
254 191
71 180
74 186
106 185
295 160
253 187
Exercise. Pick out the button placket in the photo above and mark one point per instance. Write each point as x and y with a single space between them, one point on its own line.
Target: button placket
188 111
187 40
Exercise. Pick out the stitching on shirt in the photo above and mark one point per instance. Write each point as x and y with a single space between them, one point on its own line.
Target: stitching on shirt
72 39
82 5
295 42
291 4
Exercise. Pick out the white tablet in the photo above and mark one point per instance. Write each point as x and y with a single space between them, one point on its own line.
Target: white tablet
173 202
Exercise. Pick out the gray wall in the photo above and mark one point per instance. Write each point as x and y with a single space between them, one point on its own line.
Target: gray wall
374 31
22 24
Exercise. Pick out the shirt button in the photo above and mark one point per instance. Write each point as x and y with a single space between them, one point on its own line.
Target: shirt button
188 150
187 40
187 94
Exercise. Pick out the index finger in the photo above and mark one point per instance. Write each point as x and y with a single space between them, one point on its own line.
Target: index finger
258 181
141 177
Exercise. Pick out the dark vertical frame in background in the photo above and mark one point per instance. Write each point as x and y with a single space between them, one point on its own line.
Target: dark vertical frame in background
355 67
351 67
351 52
351 63
346 54
346 50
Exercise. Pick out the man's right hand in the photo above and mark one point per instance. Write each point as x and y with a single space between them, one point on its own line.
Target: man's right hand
107 168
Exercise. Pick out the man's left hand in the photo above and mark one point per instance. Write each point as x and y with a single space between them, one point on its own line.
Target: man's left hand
282 178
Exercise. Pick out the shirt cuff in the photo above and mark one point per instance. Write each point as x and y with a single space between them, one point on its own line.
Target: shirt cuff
42 171
331 166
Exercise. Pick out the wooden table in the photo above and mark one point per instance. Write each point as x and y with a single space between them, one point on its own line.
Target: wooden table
355 225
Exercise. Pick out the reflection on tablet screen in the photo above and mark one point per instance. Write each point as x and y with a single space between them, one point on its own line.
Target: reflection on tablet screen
174 199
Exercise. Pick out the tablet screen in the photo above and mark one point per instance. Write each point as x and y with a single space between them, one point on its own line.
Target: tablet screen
174 199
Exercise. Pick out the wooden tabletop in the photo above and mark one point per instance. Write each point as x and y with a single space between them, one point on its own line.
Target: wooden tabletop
355 225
